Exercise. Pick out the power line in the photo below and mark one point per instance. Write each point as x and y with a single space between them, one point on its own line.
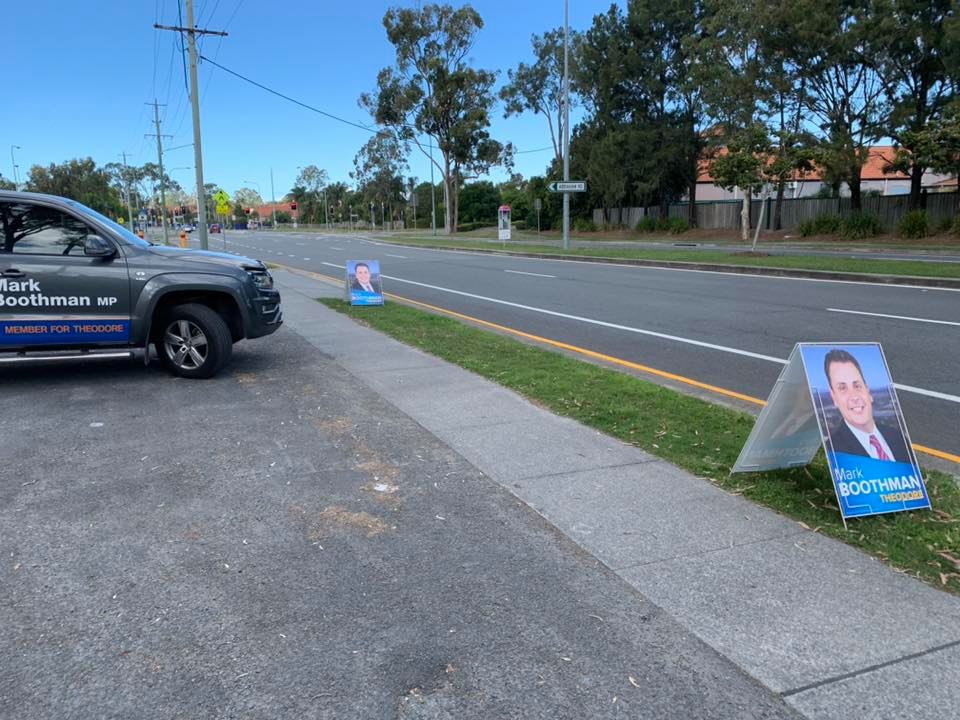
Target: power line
290 99
369 129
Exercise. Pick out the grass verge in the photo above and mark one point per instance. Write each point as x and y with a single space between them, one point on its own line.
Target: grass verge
698 436
787 262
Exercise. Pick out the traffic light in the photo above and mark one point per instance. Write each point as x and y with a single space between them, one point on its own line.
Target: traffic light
293 205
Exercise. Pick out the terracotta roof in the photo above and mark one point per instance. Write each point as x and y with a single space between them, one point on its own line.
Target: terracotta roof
267 208
880 157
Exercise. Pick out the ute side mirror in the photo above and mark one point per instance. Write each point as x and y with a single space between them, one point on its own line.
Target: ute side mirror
96 246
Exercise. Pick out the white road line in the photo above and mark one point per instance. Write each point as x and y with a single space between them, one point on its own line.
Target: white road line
521 272
402 257
894 317
651 333
335 248
731 275
306 258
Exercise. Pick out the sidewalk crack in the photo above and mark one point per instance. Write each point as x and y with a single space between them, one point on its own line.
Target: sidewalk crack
870 669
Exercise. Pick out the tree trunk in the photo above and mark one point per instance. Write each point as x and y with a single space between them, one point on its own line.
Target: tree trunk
856 202
778 208
745 217
692 207
447 216
916 185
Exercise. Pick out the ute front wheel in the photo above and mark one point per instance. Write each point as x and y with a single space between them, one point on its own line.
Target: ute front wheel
195 341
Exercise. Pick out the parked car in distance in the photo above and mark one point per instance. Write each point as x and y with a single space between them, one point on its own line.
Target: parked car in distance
215 228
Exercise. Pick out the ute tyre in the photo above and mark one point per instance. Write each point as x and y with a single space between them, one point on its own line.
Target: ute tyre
194 341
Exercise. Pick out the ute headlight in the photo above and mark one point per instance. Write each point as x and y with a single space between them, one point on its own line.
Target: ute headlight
262 279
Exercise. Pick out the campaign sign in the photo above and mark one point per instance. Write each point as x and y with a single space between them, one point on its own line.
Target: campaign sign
871 460
363 283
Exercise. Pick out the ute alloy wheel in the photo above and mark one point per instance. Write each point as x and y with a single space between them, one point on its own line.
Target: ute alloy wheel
185 345
195 341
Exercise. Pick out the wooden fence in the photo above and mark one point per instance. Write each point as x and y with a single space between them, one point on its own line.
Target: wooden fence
725 214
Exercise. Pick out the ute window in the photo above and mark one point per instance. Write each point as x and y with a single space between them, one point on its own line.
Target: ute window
38 230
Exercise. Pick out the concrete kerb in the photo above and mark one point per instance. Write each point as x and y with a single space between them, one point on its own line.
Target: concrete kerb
806 615
919 281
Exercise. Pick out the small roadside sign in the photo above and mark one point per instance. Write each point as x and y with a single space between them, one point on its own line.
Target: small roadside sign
571 186
223 208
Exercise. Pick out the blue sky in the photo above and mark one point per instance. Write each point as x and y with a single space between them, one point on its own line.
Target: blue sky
82 73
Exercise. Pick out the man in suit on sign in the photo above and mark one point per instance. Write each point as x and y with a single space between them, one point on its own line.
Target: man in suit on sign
363 282
859 433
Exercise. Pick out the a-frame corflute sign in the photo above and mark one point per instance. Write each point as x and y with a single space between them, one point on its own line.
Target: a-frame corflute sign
840 396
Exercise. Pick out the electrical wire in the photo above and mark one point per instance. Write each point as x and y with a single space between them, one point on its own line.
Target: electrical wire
369 129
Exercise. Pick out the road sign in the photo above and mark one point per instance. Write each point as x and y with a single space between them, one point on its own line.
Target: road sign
537 204
572 186
223 208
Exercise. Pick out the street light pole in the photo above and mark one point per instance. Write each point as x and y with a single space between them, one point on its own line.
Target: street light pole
273 201
566 125
16 176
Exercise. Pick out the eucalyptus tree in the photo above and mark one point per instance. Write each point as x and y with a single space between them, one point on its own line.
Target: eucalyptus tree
434 99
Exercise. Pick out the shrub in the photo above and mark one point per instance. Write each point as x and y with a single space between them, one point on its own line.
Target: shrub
663 224
468 226
678 225
647 224
914 225
956 225
584 225
520 225
822 225
860 226
945 225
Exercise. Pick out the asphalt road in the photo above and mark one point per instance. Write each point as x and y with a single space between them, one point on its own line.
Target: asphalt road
732 331
280 542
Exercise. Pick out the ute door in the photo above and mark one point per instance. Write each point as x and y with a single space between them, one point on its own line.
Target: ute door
61 281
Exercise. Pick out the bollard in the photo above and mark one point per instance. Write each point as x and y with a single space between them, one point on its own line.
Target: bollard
183 239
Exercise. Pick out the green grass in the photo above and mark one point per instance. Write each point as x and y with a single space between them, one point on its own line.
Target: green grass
791 262
698 436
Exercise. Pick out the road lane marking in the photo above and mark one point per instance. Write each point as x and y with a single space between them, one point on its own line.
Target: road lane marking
727 273
894 317
402 257
521 272
651 333
335 248
614 360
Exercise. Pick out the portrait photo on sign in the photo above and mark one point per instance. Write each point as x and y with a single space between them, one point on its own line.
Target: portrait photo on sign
856 403
364 284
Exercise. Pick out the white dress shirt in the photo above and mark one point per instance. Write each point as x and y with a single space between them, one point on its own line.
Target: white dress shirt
864 438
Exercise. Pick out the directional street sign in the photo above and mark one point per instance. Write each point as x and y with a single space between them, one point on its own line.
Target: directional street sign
572 186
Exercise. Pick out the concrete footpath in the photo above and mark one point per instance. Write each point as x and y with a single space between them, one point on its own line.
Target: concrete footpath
832 631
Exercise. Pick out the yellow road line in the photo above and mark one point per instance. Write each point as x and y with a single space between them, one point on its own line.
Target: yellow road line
615 361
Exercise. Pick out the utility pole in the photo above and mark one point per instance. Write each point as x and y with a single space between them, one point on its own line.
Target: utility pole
566 125
192 32
126 187
163 193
